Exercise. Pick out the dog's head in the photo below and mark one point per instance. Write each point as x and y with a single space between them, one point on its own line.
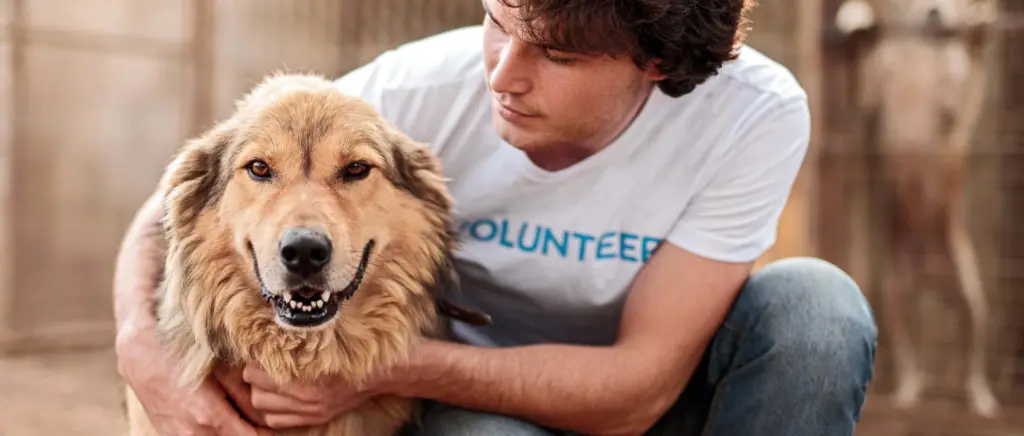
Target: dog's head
921 61
917 14
304 208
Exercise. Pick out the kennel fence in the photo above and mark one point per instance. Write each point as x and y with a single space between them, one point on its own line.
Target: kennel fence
848 235
97 94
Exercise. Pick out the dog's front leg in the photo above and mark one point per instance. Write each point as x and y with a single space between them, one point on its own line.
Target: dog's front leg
899 280
962 252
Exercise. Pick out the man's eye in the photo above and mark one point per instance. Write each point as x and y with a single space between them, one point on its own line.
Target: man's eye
558 59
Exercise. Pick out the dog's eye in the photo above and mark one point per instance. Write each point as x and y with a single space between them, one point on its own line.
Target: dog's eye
355 171
258 169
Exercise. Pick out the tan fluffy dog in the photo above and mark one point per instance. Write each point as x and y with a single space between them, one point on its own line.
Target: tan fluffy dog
923 80
308 235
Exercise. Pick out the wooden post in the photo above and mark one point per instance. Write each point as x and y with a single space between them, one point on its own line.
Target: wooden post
810 71
795 40
1011 241
202 59
841 208
9 137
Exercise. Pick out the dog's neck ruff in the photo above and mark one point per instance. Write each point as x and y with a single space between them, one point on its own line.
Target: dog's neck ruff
344 294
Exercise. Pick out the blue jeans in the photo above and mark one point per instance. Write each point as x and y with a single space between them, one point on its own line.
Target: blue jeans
794 357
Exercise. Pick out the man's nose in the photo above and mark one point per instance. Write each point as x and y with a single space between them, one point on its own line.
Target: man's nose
511 74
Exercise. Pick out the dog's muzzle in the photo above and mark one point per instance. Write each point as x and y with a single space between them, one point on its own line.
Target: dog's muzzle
306 303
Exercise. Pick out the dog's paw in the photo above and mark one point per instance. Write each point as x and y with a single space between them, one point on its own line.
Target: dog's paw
908 392
854 15
982 400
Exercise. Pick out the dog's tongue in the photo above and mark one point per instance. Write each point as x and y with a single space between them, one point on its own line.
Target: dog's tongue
307 293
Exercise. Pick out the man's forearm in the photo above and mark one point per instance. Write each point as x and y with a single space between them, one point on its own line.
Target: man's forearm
139 267
594 390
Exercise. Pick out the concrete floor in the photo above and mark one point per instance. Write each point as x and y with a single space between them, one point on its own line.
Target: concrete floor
66 394
78 394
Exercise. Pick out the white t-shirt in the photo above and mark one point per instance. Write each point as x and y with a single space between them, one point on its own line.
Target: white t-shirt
550 255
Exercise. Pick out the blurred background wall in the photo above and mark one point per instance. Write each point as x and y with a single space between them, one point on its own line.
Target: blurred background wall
101 92
95 95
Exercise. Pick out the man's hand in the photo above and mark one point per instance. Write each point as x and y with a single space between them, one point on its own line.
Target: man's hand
299 405
172 410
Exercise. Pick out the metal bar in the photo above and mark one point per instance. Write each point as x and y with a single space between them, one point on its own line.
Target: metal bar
8 281
973 154
111 44
810 60
202 65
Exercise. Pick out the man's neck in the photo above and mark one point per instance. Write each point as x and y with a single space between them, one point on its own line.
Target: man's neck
558 157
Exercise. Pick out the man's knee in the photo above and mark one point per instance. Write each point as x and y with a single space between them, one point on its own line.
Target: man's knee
811 312
798 346
444 420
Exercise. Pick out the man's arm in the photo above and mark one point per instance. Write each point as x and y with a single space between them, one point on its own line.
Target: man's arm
670 316
675 305
138 269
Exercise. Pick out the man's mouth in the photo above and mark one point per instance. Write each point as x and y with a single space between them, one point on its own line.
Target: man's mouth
309 306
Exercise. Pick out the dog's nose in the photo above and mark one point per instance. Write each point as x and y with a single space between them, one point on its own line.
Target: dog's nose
305 252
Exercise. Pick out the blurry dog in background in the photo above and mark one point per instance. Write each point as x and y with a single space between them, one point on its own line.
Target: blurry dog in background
922 80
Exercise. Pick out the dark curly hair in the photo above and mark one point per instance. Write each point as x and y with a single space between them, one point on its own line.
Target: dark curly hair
689 39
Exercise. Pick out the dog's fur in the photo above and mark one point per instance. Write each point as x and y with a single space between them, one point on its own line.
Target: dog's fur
922 82
217 218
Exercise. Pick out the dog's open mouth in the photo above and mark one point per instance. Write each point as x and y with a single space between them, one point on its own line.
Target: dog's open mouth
309 306
306 306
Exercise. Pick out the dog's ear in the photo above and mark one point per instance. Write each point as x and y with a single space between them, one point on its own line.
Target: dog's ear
448 279
195 178
979 21
191 182
419 172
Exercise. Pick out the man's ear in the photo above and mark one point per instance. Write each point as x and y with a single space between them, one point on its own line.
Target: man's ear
652 72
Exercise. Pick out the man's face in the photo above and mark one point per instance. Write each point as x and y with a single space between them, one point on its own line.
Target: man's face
544 97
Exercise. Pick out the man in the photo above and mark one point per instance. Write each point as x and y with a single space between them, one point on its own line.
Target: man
616 176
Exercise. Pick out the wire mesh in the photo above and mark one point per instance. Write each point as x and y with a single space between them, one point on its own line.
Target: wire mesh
105 90
96 95
853 233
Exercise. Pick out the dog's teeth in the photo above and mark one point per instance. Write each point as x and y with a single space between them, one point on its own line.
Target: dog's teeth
293 304
325 296
319 303
307 308
287 296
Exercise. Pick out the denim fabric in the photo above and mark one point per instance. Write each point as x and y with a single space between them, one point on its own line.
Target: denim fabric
794 357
